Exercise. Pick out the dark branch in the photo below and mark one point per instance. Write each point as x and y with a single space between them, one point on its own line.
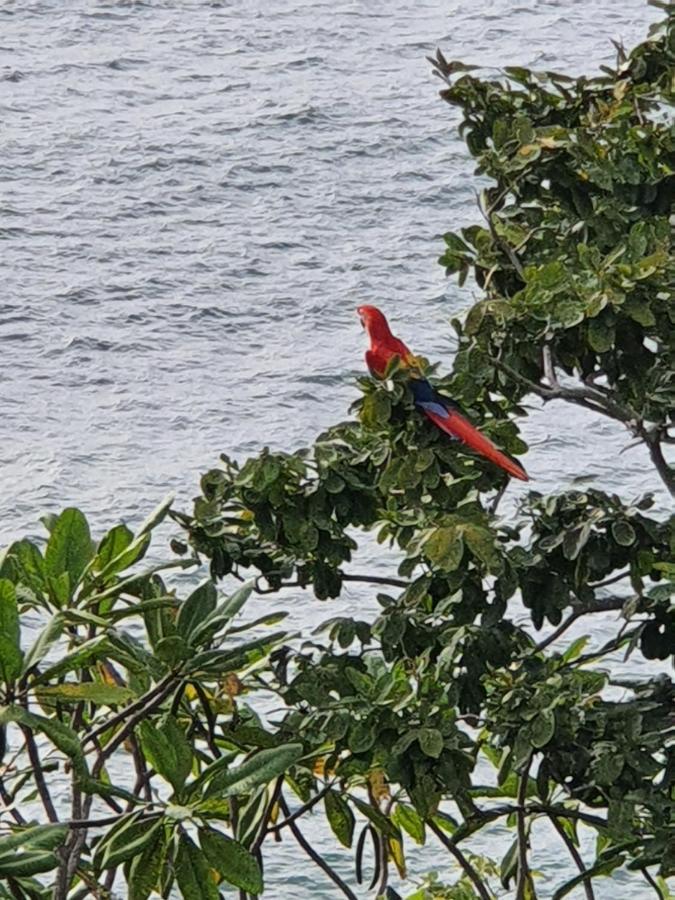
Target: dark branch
524 878
274 829
471 873
314 856
647 876
574 853
40 782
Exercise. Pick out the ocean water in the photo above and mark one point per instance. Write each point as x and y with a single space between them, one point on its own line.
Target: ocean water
194 197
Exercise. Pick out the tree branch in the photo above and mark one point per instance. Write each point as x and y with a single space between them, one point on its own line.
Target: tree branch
40 782
470 871
589 397
314 856
574 853
599 401
647 876
274 829
124 714
376 579
524 879
666 473
609 604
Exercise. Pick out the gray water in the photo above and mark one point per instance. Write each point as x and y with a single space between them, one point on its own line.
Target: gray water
194 196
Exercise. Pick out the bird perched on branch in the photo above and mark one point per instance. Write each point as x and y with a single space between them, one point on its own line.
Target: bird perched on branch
384 346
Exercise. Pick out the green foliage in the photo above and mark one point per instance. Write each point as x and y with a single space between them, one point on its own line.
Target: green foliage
576 271
90 699
446 712
575 249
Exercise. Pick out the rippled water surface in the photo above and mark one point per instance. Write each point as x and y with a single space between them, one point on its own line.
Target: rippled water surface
194 196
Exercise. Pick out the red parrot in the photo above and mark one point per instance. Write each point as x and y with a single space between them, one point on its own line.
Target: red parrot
441 411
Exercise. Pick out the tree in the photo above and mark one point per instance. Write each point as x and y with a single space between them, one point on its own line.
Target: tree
390 722
573 259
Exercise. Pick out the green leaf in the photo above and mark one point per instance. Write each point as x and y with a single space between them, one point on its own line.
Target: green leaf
69 548
623 533
11 658
84 655
37 837
31 862
444 547
542 728
259 769
25 565
608 767
167 749
603 866
575 648
192 872
204 632
407 818
156 516
126 839
132 553
382 823
509 865
196 608
376 409
91 691
340 817
113 545
232 860
481 542
431 742
146 867
61 735
601 336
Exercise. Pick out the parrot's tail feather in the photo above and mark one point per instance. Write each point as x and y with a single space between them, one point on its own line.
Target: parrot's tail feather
457 426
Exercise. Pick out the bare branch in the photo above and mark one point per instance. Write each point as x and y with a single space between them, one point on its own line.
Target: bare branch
275 829
40 782
314 856
647 876
470 871
609 604
574 853
549 370
524 878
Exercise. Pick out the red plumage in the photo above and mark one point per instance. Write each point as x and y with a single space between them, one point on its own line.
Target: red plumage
383 346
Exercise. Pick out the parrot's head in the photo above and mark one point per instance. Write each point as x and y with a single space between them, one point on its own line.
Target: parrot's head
374 322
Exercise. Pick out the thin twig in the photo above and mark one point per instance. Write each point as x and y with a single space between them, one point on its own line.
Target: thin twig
665 471
609 604
274 799
126 729
524 879
40 782
612 580
377 579
366 579
574 853
470 871
586 396
9 804
314 856
124 713
497 498
273 829
549 370
647 876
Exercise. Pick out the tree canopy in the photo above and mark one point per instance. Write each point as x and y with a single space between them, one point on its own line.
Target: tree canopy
462 703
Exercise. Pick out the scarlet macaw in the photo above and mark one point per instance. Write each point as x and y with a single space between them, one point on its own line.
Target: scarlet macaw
383 347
